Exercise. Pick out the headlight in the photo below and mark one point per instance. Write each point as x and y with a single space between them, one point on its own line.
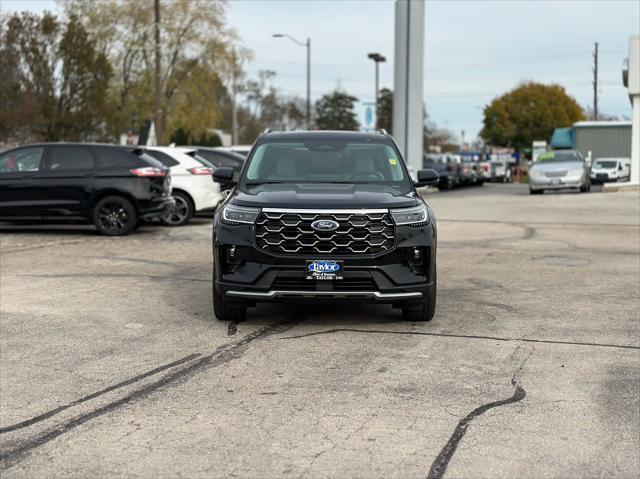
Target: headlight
535 173
576 172
415 215
233 215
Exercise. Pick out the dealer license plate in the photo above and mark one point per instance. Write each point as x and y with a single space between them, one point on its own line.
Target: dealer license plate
324 269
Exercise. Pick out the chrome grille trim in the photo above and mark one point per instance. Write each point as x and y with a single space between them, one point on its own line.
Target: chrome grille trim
360 231
556 174
363 211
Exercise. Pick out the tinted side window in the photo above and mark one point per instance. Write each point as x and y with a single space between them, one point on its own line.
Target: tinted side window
163 158
69 158
229 162
220 160
113 157
24 159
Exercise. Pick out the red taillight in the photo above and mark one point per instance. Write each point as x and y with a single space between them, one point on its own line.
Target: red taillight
149 171
485 167
201 170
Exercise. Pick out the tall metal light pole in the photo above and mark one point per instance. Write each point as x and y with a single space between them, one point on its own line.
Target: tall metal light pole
308 45
377 58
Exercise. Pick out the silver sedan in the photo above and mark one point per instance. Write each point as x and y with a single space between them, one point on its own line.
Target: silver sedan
557 170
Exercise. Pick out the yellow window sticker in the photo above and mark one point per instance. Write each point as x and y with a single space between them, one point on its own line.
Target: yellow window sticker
393 161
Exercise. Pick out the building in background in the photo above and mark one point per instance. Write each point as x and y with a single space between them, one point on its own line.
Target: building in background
603 139
631 79
595 139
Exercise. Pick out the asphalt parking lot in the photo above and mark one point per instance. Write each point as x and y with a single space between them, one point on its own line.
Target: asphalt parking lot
111 363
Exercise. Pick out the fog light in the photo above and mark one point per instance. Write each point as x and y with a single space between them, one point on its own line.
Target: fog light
232 251
417 254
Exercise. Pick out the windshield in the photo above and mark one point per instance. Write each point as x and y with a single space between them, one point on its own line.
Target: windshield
559 156
325 161
605 164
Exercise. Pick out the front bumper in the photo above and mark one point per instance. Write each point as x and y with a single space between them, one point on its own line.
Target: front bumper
603 178
156 208
555 183
405 295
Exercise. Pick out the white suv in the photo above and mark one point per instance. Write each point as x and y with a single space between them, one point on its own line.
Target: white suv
192 185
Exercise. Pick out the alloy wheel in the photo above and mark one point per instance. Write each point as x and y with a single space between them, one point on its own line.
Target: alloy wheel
180 213
114 216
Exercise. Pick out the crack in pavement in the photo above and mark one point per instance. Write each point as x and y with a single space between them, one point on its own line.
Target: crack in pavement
462 336
440 463
222 355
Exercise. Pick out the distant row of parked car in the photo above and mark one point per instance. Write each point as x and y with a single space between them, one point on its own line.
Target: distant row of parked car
457 170
113 187
567 169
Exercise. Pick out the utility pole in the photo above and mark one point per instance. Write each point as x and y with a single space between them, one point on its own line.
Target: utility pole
595 82
234 93
377 58
158 116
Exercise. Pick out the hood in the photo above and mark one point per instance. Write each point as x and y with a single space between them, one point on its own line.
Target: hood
325 195
558 166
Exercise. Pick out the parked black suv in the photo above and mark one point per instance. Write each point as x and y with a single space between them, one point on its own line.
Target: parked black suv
324 216
106 185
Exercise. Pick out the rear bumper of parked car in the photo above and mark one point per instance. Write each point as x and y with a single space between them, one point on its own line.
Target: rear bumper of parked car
156 208
205 193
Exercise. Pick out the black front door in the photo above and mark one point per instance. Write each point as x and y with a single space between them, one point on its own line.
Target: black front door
20 197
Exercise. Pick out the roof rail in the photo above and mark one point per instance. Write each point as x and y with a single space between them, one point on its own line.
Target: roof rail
382 131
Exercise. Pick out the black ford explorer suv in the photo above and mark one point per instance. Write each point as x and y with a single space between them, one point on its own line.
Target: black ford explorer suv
324 216
106 185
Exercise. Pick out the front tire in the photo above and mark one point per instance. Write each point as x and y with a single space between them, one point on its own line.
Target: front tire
535 192
181 213
114 216
427 310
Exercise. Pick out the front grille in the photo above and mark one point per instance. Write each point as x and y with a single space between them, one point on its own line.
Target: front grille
556 174
357 233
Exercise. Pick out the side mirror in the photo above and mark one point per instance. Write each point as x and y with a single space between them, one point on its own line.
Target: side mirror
427 177
224 176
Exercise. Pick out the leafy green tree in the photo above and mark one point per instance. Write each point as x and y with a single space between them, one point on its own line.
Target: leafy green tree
54 77
384 112
529 112
334 111
195 54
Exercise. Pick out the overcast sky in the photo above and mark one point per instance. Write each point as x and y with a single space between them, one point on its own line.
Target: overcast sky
474 50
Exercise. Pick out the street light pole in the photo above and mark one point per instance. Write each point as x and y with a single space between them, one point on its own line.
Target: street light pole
377 58
306 44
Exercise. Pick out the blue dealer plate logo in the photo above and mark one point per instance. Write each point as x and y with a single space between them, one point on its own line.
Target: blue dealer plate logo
324 267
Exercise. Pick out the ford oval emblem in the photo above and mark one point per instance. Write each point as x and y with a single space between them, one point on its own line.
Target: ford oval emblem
325 225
